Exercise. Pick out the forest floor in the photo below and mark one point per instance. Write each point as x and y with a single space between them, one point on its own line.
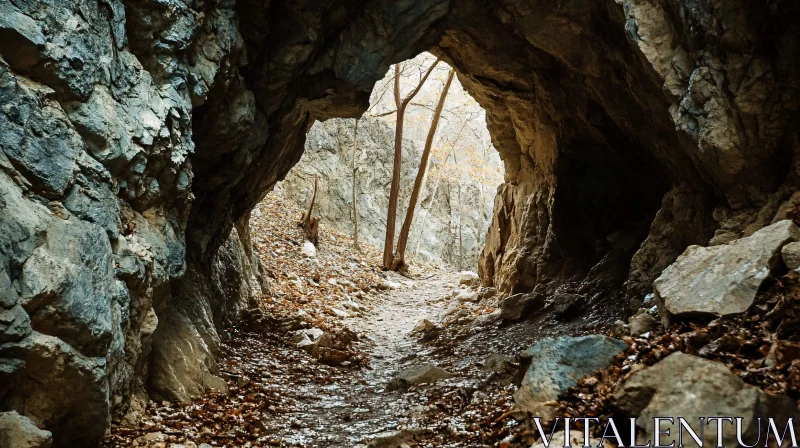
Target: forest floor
342 354
334 390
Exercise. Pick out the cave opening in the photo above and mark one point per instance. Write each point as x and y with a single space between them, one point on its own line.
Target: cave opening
138 139
453 207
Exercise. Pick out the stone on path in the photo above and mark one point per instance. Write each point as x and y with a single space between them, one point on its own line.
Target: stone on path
514 308
424 373
18 431
424 326
308 250
558 364
791 255
468 295
467 278
393 439
687 386
642 323
721 280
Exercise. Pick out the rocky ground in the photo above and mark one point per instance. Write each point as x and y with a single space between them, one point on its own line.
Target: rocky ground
341 354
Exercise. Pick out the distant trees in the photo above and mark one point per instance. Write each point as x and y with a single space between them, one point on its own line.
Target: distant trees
455 163
394 191
399 256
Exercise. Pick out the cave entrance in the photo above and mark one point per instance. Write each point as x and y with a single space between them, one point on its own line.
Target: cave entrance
454 206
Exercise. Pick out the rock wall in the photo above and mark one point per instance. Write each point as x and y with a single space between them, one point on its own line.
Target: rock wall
96 105
328 154
135 135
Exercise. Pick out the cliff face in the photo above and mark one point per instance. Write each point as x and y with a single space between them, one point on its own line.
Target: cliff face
136 136
329 155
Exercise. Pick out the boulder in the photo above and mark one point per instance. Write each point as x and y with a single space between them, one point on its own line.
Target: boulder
486 293
499 363
467 278
515 307
564 305
697 387
721 280
558 364
467 295
18 431
791 255
424 373
307 339
424 326
642 323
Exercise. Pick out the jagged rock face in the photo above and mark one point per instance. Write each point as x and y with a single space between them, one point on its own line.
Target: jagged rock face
329 155
136 134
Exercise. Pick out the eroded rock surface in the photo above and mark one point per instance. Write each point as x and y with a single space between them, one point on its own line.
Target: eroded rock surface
695 388
722 280
556 365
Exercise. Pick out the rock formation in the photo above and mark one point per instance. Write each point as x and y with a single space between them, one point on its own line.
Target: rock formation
136 136
328 153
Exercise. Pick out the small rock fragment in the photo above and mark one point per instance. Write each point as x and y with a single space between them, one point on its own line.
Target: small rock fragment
411 376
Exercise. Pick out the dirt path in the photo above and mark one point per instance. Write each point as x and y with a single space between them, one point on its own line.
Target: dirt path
346 413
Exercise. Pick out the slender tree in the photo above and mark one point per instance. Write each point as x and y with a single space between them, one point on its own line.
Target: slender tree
394 192
402 242
355 179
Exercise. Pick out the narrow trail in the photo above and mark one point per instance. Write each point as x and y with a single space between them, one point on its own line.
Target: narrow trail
345 414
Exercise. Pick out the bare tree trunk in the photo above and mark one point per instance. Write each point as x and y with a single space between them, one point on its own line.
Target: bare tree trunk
309 223
402 242
355 178
394 191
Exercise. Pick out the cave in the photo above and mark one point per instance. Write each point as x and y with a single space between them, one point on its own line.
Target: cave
629 130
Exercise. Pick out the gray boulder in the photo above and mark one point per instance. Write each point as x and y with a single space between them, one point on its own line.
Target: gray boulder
515 307
642 323
791 255
411 376
721 280
558 364
14 324
697 388
18 431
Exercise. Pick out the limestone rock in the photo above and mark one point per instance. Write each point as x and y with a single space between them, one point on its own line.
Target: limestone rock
17 431
790 254
515 307
393 439
411 376
722 280
424 326
558 364
467 296
499 363
642 323
486 293
697 387
467 278
14 324
308 250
